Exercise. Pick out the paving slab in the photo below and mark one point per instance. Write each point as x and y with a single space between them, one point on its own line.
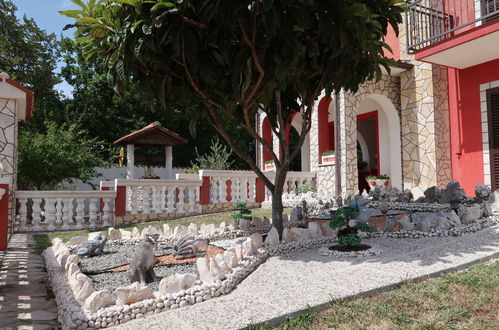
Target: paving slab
287 285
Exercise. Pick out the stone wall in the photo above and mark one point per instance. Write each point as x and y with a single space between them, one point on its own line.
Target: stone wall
8 151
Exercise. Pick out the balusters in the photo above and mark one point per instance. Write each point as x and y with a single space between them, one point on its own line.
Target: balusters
50 213
80 213
67 213
37 214
214 190
23 210
222 197
180 203
105 212
171 200
145 200
163 204
92 212
268 194
243 190
58 212
251 190
192 199
156 203
133 198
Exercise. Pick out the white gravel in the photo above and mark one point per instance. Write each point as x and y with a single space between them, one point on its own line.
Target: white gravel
288 284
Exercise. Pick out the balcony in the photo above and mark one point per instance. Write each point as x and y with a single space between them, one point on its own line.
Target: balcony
453 33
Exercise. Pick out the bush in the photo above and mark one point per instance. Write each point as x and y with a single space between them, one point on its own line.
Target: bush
217 159
348 228
243 212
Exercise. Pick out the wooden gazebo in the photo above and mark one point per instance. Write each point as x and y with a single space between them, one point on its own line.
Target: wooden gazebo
153 135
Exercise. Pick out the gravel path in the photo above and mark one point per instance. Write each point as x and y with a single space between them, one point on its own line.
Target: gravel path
286 285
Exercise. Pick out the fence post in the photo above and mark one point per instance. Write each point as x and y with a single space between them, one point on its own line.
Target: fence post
260 191
204 191
4 213
103 187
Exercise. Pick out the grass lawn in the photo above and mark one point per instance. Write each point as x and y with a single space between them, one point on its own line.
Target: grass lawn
462 300
44 240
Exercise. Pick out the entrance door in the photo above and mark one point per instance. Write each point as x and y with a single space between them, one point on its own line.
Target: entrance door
493 119
368 147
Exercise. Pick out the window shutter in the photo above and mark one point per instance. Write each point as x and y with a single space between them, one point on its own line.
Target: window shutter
490 6
493 118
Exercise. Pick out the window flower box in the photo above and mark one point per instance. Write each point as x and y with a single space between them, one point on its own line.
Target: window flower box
382 181
269 165
328 157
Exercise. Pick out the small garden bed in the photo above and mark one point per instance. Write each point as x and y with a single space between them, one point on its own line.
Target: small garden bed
354 248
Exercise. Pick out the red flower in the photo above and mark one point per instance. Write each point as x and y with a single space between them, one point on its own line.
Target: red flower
386 183
373 183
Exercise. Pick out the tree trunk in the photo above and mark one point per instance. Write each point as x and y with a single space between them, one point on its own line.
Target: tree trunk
277 208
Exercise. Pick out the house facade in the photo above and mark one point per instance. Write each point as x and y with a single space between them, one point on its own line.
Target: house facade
432 119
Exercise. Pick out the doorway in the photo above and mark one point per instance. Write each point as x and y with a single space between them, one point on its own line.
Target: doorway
367 147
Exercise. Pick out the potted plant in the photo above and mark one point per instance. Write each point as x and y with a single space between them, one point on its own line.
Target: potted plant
242 218
328 157
348 229
269 165
382 181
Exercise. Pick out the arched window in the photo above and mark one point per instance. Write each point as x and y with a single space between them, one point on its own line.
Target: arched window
326 128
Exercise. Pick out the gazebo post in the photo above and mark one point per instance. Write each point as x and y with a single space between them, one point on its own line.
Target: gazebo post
169 162
130 161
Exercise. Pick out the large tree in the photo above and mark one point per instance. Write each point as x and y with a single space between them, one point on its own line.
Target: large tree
230 59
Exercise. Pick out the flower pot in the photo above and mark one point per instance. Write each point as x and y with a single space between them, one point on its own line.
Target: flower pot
383 183
328 159
269 166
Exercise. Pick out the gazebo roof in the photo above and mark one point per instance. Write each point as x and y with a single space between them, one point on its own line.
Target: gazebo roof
152 135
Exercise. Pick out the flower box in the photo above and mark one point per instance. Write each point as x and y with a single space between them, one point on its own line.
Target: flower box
269 166
328 159
383 183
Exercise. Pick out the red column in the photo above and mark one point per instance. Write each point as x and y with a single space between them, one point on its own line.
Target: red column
260 191
120 201
4 216
204 191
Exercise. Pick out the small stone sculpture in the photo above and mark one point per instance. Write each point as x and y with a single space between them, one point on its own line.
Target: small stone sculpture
92 248
141 266
188 247
432 194
406 196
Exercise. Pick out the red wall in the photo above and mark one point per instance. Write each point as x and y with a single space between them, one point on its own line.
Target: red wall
267 136
465 121
323 118
393 41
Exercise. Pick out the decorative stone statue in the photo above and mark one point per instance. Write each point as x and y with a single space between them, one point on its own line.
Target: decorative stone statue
406 196
92 248
188 247
141 265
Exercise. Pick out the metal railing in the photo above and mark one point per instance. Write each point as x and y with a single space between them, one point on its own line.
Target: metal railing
431 21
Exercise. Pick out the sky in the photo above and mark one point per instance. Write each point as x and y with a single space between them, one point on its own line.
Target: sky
46 15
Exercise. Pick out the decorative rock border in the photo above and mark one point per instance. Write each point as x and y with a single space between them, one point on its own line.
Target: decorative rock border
371 252
413 207
71 312
455 231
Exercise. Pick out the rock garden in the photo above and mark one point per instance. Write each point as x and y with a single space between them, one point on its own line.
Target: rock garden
105 279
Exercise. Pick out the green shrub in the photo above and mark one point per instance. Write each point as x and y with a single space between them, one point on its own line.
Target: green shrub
347 227
243 212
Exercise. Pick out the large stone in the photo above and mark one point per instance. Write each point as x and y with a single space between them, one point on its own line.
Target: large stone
167 231
98 300
135 232
315 229
180 231
134 292
327 230
230 258
443 221
247 248
145 231
256 241
493 201
406 196
300 234
71 269
192 229
113 234
72 259
155 231
285 219
77 240
453 192
272 237
432 194
208 229
424 221
209 271
406 223
125 234
176 282
257 222
482 192
220 260
237 245
470 214
244 224
453 219
293 216
266 221
287 236
83 291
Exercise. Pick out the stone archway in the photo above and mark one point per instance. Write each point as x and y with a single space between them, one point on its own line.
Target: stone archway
296 124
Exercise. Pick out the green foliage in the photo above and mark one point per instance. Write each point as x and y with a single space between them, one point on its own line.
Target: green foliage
377 177
347 227
217 159
243 212
56 157
328 152
306 186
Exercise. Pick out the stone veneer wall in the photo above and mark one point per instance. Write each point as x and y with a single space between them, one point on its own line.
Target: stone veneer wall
349 104
8 152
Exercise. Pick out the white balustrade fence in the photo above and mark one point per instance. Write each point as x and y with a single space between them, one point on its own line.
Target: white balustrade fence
231 186
295 182
65 210
151 196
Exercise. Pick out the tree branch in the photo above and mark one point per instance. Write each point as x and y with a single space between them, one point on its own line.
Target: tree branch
250 99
